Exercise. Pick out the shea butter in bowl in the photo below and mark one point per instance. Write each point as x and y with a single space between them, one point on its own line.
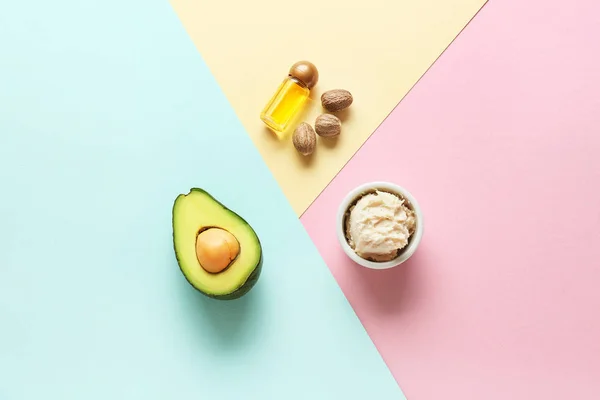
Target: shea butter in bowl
379 225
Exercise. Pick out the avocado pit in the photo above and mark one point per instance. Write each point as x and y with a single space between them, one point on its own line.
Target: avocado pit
216 248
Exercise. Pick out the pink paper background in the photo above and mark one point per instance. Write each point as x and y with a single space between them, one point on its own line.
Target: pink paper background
500 142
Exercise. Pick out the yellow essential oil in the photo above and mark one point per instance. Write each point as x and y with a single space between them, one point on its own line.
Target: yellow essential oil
290 96
284 105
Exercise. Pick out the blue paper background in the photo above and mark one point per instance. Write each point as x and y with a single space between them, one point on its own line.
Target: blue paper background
107 113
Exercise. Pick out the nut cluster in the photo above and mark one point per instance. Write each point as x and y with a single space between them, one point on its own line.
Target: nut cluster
326 125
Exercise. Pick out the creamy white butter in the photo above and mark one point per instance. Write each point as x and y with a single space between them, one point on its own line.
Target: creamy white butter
379 225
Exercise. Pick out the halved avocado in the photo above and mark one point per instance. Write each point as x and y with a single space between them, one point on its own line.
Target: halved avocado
198 211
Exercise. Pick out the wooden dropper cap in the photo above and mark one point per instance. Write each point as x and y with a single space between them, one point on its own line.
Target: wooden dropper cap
305 72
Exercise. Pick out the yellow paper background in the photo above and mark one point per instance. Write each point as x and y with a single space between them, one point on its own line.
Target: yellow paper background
376 49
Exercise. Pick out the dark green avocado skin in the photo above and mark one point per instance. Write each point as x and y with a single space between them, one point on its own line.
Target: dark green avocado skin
239 292
250 282
245 288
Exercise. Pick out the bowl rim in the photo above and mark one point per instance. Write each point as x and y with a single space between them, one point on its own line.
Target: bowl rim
360 190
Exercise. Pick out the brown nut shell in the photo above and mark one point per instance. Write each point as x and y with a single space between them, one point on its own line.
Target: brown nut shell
336 100
304 139
328 125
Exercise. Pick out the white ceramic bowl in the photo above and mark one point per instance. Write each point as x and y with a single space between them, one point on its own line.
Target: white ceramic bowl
414 240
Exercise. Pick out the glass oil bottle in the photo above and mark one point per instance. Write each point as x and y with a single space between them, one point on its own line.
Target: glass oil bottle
290 96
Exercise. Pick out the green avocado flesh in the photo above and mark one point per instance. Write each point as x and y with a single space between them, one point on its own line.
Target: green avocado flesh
197 211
